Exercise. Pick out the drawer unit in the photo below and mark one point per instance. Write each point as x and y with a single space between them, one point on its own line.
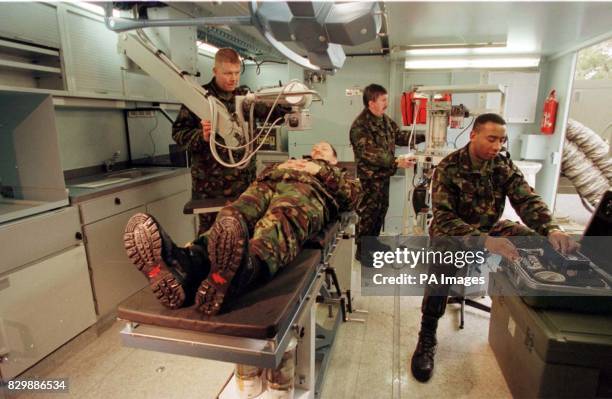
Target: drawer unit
112 204
27 240
42 306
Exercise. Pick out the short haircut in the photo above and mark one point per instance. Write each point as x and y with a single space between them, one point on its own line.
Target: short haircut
227 54
372 92
333 149
490 117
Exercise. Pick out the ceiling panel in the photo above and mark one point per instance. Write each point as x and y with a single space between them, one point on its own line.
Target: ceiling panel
529 27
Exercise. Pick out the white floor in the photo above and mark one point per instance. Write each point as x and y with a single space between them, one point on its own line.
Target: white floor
369 360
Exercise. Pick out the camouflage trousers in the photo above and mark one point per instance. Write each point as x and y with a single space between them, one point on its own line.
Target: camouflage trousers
372 209
280 217
434 300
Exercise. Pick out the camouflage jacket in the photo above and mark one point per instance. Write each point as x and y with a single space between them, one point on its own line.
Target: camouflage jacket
332 185
209 178
469 201
373 139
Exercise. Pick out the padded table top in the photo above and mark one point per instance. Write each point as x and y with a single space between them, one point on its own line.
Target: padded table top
260 313
324 237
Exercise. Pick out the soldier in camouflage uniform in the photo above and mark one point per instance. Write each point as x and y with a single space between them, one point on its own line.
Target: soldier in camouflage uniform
210 179
251 239
374 136
469 190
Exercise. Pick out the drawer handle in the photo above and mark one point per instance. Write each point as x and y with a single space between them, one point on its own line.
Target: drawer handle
117 201
78 235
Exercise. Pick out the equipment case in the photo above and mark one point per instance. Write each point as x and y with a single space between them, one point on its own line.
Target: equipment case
546 353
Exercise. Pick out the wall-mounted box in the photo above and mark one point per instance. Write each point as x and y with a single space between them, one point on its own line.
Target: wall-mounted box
31 177
521 94
534 146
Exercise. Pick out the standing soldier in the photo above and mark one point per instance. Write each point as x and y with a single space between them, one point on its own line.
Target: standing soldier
373 137
210 179
468 196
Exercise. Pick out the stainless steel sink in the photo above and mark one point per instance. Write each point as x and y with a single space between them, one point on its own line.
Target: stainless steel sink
131 173
120 176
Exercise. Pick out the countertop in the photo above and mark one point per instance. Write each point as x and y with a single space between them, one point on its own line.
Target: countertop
78 194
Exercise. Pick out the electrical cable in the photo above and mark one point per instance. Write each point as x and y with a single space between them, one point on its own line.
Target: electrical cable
463 131
150 133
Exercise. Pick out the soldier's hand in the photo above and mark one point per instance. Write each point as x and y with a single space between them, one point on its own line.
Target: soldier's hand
206 129
295 164
562 242
405 162
502 246
312 168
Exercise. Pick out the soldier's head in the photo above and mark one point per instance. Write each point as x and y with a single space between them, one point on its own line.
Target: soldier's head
488 136
375 99
227 69
325 151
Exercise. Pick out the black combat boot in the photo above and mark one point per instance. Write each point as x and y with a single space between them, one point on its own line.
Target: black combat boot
227 248
173 272
423 358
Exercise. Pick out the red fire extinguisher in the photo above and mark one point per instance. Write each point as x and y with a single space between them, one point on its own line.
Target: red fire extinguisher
549 116
411 103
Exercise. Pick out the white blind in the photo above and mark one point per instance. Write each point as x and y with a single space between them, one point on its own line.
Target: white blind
93 54
31 22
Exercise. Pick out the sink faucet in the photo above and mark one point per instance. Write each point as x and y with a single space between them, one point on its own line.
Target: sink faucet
109 163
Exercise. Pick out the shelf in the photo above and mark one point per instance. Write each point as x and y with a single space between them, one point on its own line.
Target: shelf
27 48
462 89
29 67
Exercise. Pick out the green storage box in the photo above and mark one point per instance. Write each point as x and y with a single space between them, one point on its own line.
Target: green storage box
549 353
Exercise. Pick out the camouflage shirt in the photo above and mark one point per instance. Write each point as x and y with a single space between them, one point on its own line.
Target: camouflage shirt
373 139
469 200
210 179
332 185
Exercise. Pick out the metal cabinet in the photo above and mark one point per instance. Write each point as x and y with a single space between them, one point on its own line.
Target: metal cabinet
114 278
42 306
169 213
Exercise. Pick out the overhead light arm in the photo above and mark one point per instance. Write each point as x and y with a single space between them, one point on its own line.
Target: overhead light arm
125 24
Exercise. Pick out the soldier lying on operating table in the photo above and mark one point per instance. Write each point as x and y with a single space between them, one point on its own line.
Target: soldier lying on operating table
251 239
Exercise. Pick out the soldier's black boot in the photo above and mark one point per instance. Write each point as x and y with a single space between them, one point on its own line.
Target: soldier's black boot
173 272
227 250
251 272
433 307
422 364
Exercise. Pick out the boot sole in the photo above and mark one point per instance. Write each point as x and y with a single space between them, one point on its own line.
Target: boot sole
143 244
226 247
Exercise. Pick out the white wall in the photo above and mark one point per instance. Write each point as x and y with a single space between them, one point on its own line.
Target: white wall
332 119
87 137
269 75
591 104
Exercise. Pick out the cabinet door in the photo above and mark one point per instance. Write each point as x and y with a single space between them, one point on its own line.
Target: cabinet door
114 277
169 213
42 306
521 95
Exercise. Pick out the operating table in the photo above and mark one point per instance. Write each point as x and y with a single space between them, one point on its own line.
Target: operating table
256 328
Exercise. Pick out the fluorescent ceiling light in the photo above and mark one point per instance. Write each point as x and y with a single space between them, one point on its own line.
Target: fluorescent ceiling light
458 51
208 48
472 63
